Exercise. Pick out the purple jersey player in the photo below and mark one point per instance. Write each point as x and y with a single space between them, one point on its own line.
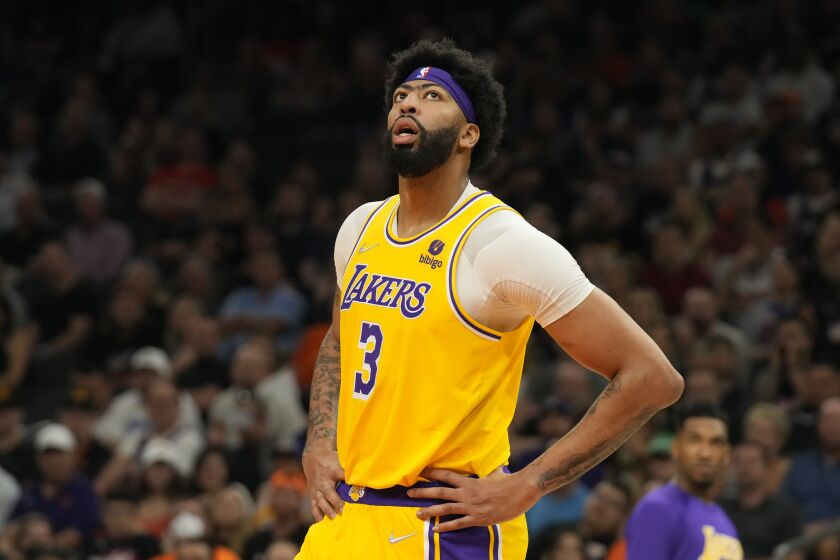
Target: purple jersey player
680 520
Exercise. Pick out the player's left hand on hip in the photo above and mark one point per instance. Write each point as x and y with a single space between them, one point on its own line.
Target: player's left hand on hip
480 501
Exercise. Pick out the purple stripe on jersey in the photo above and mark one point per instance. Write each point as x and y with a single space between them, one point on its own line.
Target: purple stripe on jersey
364 227
451 283
427 232
472 543
431 536
497 543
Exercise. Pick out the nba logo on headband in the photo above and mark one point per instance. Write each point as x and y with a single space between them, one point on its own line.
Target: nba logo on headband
422 72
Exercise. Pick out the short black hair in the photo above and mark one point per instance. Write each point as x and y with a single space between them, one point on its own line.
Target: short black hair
472 73
702 409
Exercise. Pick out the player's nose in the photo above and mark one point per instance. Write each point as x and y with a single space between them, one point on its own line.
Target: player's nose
409 104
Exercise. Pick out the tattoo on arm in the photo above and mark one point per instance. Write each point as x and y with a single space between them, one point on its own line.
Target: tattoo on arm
326 384
575 465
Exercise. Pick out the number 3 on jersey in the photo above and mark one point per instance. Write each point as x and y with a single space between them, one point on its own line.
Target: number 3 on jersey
370 332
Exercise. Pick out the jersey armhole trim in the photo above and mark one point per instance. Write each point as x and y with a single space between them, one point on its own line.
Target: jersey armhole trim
362 232
452 294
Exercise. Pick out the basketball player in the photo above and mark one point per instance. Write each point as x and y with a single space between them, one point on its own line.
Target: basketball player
416 381
681 521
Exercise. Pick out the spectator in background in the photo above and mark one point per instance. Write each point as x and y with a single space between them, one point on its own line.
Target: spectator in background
127 325
817 197
23 141
17 340
688 523
179 315
260 409
230 514
282 503
197 279
161 401
702 385
61 492
700 321
9 496
187 539
15 451
812 386
670 271
604 514
814 477
790 354
32 228
826 285
175 194
660 467
128 412
766 425
196 364
212 473
563 506
160 482
281 550
763 519
563 544
270 307
121 537
11 183
30 537
72 153
77 412
63 307
98 245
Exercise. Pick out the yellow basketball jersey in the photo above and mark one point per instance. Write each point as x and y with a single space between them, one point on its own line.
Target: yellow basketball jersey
423 384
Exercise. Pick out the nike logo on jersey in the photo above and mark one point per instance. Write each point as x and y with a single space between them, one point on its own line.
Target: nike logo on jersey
409 296
394 540
364 249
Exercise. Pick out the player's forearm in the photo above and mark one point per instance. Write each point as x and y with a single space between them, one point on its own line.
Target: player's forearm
625 405
326 384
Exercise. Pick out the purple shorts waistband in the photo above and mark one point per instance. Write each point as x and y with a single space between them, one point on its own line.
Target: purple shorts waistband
393 496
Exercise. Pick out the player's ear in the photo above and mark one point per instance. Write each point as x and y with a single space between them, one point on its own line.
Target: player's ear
469 135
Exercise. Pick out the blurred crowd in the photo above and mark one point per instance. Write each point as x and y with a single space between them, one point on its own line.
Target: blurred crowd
172 177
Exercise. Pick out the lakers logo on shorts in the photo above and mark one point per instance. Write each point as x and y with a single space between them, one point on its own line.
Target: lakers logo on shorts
356 493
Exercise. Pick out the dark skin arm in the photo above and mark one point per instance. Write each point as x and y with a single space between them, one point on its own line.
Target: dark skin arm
320 456
599 335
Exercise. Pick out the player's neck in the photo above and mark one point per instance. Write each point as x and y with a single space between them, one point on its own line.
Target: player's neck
705 493
424 201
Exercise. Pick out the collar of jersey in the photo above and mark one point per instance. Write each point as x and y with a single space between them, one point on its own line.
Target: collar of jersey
402 241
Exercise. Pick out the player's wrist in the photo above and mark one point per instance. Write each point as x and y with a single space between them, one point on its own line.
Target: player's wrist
529 480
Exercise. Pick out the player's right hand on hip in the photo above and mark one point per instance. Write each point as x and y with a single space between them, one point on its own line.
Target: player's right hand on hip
323 472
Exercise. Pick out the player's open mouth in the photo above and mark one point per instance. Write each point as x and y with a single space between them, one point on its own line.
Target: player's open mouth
404 131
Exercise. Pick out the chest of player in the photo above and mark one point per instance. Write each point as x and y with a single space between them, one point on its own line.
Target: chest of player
400 281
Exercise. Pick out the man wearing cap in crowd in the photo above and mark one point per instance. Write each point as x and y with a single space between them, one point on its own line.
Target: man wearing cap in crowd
61 493
161 398
187 539
128 412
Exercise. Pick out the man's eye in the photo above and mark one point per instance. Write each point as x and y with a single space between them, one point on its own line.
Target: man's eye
433 95
399 96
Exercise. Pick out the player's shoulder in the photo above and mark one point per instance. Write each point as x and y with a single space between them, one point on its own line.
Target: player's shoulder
355 220
661 503
364 210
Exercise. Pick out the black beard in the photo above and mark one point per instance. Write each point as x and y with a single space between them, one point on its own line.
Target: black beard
429 151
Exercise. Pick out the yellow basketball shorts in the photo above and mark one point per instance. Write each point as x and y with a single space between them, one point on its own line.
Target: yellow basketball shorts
382 524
